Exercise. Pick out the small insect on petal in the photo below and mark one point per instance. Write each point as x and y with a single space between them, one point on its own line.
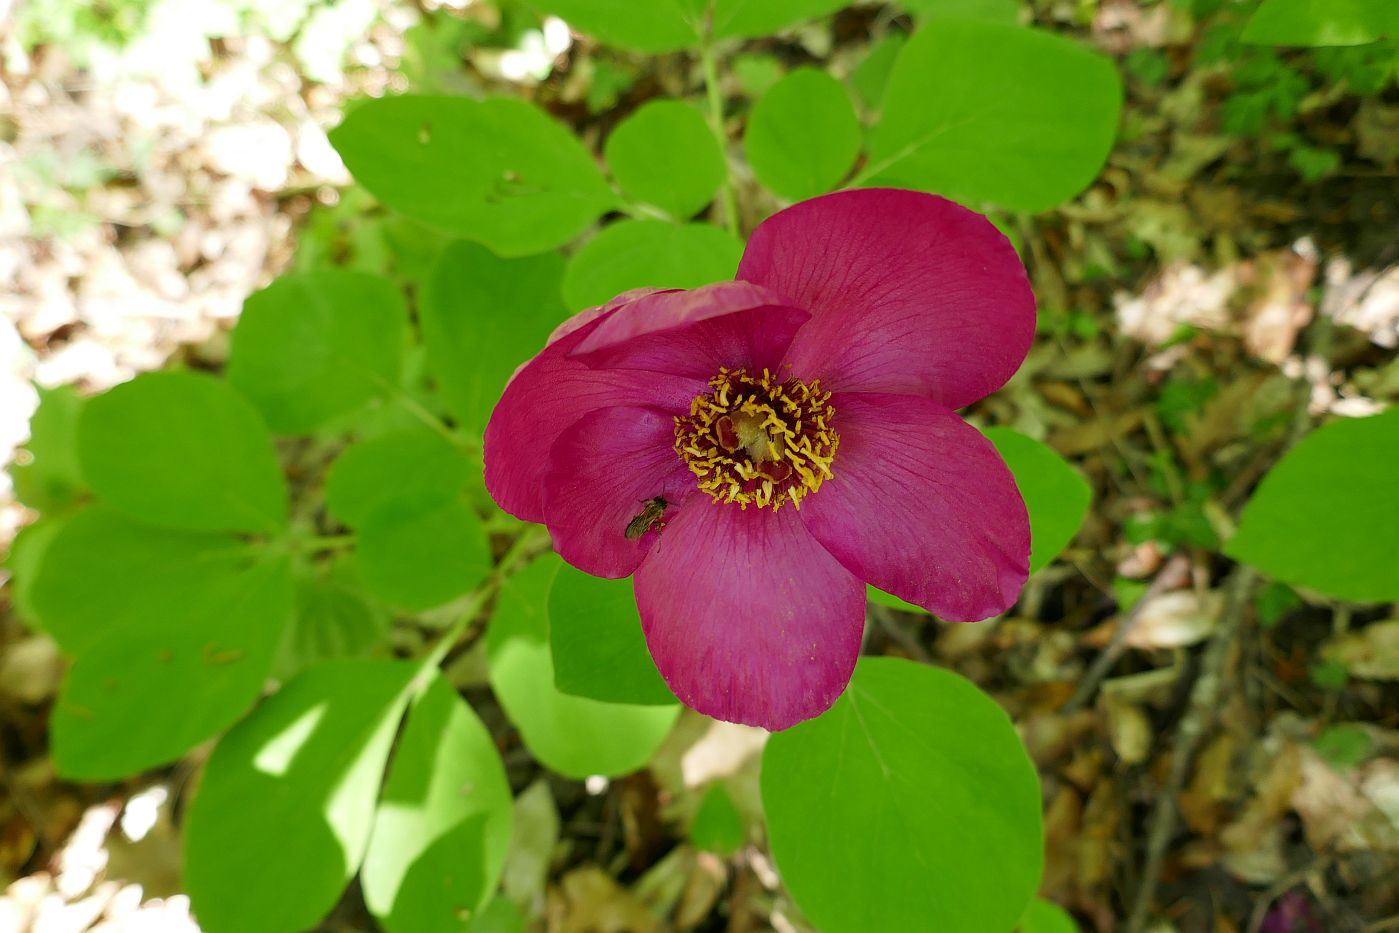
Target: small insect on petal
649 518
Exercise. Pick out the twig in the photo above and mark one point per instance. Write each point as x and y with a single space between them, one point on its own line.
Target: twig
1204 703
1176 572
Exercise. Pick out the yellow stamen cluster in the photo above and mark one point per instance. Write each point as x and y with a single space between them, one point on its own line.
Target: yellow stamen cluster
755 440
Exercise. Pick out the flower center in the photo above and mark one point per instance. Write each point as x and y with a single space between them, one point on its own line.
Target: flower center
756 441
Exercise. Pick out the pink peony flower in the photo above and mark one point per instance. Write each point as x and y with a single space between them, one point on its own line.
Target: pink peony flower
755 451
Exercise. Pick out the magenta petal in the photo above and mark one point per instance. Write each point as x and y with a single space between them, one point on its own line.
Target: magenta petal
923 507
548 394
588 315
696 332
908 292
605 468
747 617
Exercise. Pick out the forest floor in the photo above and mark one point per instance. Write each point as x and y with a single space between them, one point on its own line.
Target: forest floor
1229 280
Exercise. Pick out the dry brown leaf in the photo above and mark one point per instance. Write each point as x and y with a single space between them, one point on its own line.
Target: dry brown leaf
587 900
1372 653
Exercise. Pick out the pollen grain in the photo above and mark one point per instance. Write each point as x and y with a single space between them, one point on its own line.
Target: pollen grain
757 440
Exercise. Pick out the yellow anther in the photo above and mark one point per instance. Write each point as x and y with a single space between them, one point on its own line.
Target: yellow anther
784 448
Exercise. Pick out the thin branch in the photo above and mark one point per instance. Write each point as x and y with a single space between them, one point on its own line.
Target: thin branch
1175 573
1199 716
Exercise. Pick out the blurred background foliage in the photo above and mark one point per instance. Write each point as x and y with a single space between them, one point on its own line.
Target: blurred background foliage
1225 285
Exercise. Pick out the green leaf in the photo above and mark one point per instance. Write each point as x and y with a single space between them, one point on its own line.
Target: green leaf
313 346
25 558
421 552
1274 601
595 638
499 916
668 25
414 462
1344 745
645 27
52 480
574 736
333 620
532 845
909 805
990 113
443 824
666 155
717 826
751 19
1046 917
173 632
183 450
1326 517
283 814
803 136
889 599
1322 22
638 253
1056 495
481 317
497 171
996 11
871 76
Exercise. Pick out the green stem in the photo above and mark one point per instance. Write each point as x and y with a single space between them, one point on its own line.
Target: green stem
518 551
716 122
412 406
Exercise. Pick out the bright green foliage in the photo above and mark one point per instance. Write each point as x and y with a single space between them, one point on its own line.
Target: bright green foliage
638 253
988 113
889 599
412 462
574 736
52 480
481 316
173 634
1273 602
422 551
183 450
1344 745
1322 22
718 826
755 72
997 11
312 346
909 805
748 19
803 135
283 814
667 25
871 76
24 559
666 155
498 171
333 619
443 823
596 641
499 916
1326 517
1056 495
1046 917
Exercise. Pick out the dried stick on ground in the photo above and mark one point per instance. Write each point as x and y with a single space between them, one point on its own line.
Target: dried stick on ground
1204 704
1175 573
